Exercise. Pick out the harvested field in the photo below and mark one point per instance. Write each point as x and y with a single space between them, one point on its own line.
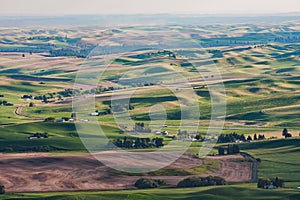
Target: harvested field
45 172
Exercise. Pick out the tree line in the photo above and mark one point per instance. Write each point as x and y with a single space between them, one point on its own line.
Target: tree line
201 181
266 183
138 143
234 137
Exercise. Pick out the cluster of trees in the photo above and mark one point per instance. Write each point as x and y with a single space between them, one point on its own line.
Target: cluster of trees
120 107
33 148
289 39
75 51
141 128
184 133
199 138
255 137
26 96
265 183
232 137
49 97
144 183
68 92
216 53
57 38
40 135
155 54
138 143
5 103
99 90
201 181
49 119
230 149
2 189
286 133
34 48
45 98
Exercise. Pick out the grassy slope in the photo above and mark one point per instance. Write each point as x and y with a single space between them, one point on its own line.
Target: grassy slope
244 191
63 136
278 158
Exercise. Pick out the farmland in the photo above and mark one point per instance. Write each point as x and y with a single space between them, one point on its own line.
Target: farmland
46 74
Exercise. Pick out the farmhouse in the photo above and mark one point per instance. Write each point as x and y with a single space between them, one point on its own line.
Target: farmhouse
94 114
161 133
270 187
60 120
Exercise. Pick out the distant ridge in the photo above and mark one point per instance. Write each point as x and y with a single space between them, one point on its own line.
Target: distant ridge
156 19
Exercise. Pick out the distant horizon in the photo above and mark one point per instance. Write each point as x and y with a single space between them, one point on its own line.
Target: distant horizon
130 7
296 13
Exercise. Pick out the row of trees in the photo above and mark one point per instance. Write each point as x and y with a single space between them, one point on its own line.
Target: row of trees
234 137
201 181
138 143
46 98
255 137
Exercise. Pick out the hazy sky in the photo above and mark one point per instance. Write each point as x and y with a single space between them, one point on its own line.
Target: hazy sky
64 7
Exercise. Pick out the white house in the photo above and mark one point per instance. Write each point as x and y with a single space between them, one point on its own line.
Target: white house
94 114
270 187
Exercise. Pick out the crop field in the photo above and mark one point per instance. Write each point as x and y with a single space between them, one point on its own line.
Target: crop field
44 74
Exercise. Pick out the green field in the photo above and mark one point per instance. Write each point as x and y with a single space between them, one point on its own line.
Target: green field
260 72
278 158
242 191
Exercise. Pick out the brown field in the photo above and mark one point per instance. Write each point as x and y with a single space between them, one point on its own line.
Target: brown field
47 172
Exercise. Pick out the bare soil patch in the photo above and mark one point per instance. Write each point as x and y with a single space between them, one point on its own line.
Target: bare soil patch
32 172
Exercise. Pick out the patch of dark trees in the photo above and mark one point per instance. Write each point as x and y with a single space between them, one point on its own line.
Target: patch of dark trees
229 150
73 51
49 119
154 54
39 135
140 127
138 143
39 148
5 103
2 189
144 183
234 137
201 181
270 184
286 133
50 97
